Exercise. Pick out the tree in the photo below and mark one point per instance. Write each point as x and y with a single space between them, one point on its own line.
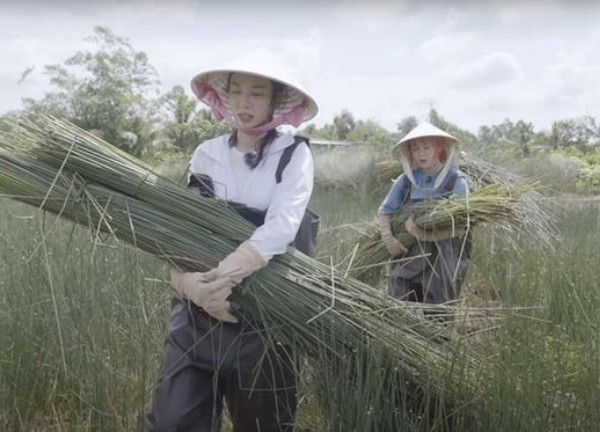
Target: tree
406 125
310 130
108 90
344 124
519 135
184 125
180 110
523 134
582 133
372 133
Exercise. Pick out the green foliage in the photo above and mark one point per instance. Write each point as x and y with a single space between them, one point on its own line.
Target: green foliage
344 124
582 133
355 173
588 179
184 125
106 89
372 134
406 125
516 135
567 169
555 172
328 131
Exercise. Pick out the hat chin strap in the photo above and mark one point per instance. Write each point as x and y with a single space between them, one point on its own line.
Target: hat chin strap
212 99
440 176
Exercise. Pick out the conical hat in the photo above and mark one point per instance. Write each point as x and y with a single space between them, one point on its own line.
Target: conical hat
401 150
424 129
213 83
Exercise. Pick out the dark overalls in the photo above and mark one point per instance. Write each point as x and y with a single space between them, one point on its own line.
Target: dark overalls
207 361
438 268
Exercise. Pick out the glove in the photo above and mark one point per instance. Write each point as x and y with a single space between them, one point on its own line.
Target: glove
391 243
413 229
241 263
207 291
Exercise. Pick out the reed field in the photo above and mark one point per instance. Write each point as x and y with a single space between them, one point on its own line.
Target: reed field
82 324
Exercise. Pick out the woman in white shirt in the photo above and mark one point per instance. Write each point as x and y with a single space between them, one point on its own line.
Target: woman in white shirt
210 354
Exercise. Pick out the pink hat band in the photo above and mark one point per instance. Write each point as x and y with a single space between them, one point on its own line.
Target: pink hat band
207 94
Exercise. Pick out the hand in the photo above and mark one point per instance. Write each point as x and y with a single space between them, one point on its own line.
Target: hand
430 236
241 263
391 243
395 247
412 228
207 291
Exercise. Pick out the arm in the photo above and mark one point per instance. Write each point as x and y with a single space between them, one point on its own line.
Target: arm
432 236
288 205
210 290
390 205
460 189
391 243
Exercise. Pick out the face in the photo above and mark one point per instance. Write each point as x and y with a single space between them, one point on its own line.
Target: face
250 99
424 153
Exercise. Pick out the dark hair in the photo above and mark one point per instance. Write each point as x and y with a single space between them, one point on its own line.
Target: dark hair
269 137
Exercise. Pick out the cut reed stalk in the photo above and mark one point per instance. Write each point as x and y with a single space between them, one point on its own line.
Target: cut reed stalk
530 217
53 165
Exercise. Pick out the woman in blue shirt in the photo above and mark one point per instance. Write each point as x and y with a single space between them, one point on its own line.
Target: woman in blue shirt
440 257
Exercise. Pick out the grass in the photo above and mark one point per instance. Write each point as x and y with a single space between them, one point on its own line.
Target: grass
82 324
82 327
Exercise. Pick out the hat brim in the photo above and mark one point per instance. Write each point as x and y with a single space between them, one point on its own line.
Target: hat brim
401 150
291 97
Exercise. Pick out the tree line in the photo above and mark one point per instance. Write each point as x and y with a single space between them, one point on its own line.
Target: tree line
112 90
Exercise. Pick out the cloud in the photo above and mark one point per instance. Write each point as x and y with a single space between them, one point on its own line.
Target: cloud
375 14
489 70
447 47
140 12
573 80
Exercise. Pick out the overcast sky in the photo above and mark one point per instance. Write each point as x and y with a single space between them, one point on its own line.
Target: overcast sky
476 62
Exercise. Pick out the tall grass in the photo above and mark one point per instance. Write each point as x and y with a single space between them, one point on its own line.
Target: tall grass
549 377
552 363
82 324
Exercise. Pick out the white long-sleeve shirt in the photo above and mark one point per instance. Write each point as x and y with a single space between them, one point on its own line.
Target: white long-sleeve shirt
285 202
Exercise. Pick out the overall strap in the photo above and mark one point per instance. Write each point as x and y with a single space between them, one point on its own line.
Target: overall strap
406 190
448 186
287 155
450 182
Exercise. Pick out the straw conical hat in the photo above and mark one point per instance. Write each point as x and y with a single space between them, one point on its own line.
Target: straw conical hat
401 149
424 129
206 85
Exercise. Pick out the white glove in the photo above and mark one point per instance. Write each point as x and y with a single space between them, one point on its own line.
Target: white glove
413 229
241 263
391 243
207 291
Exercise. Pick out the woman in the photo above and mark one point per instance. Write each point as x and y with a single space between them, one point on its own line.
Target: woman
210 354
440 257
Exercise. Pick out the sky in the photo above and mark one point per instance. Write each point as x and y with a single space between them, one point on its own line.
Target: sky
476 62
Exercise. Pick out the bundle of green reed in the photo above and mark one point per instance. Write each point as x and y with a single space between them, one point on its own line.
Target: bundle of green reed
494 203
60 168
531 214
